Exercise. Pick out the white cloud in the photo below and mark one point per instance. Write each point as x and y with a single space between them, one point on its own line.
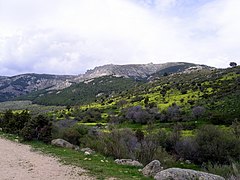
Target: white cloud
70 36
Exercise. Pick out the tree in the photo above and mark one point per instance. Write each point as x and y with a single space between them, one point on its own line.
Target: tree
137 114
233 64
198 111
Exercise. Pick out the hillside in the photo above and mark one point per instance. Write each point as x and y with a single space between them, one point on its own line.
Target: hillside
137 71
84 92
11 87
188 119
218 91
19 85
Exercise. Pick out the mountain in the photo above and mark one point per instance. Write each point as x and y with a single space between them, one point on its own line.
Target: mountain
11 87
84 92
137 71
41 84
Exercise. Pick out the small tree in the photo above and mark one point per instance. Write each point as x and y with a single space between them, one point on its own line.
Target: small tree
198 111
233 64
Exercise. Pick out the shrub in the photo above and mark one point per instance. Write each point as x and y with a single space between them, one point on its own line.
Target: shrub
216 145
39 128
118 143
187 148
148 148
173 112
14 122
231 172
198 111
138 115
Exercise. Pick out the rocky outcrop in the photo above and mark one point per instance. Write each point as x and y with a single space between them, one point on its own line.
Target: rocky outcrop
185 174
63 143
128 162
130 70
152 168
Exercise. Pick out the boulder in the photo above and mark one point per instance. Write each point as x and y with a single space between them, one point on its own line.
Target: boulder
128 162
152 168
87 151
63 143
185 174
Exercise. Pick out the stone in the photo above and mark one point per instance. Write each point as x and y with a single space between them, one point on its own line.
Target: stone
188 162
87 151
152 168
128 162
63 143
185 174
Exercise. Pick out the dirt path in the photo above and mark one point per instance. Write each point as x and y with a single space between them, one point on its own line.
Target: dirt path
18 162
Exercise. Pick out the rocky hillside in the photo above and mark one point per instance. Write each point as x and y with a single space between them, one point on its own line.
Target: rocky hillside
84 92
138 71
12 87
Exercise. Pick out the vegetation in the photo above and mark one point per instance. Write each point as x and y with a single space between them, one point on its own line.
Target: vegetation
184 120
82 93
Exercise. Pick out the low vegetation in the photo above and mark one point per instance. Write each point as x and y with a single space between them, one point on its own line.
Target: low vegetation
183 120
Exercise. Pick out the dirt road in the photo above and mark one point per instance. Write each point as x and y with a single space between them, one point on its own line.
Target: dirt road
18 162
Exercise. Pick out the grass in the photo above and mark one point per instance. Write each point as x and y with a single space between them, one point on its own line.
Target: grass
99 166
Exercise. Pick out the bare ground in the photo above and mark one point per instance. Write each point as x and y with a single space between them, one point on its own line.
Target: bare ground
19 162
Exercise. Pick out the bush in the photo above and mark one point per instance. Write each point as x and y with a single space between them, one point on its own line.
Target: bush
187 148
14 122
39 128
216 145
231 172
173 112
118 143
198 111
138 115
74 134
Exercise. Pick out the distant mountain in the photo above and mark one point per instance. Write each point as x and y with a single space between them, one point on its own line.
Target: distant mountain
88 91
137 71
15 86
11 87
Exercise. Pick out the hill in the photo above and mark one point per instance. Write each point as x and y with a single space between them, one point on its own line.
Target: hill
84 92
19 85
11 87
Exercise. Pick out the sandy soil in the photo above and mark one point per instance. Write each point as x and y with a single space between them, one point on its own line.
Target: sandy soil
19 162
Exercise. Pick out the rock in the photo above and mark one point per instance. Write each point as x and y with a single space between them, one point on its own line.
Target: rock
128 162
185 174
63 143
152 168
87 151
188 162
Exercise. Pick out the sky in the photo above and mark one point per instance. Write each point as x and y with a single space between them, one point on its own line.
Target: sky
71 36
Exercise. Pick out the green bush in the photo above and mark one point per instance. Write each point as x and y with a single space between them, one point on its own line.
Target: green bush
74 134
39 128
216 145
14 122
231 171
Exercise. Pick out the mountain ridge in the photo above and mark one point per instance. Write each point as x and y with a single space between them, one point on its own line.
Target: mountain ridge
18 85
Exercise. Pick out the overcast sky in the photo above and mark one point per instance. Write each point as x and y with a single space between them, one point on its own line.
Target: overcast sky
71 36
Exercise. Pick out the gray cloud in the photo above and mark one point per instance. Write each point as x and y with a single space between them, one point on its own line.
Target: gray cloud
69 37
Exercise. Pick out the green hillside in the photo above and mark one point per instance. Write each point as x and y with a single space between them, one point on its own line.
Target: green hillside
82 93
186 120
218 91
